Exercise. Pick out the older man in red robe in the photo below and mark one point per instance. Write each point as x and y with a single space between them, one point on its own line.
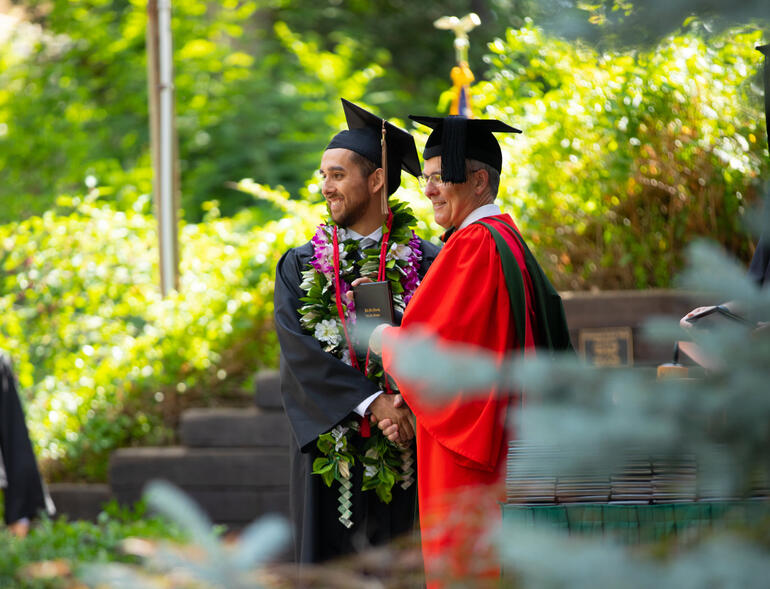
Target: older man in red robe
485 289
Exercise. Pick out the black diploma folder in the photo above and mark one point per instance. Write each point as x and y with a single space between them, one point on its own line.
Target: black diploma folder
374 302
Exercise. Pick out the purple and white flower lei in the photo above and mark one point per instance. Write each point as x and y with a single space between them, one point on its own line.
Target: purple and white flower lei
407 255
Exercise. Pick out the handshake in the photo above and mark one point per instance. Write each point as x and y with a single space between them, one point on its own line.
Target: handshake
394 418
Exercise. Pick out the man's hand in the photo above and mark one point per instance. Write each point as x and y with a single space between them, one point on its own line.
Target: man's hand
393 410
375 339
685 321
20 528
355 283
389 429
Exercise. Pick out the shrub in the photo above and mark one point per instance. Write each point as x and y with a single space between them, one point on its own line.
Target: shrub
102 359
627 157
66 546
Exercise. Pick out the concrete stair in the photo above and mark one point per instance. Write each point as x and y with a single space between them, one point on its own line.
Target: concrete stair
233 461
234 428
79 500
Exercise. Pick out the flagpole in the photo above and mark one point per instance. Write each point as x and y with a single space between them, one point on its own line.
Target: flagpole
163 139
461 74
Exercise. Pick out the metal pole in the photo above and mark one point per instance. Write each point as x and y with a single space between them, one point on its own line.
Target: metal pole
163 138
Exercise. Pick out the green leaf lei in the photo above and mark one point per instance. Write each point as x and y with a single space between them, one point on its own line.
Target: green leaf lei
385 463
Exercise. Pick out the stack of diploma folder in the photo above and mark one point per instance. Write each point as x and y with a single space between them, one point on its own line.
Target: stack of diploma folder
642 480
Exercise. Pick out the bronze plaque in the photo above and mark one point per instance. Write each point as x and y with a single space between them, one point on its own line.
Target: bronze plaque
609 346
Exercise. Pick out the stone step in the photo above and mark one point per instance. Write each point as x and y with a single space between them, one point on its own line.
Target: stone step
260 468
78 501
233 428
233 508
267 390
234 486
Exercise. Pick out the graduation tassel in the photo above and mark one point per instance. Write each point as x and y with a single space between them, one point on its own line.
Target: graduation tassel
384 197
453 149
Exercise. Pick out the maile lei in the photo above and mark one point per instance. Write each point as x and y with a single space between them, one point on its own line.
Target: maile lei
330 319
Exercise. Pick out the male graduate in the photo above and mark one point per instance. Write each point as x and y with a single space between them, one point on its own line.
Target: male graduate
484 289
350 487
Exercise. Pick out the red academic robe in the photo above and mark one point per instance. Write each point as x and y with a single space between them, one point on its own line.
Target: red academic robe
462 442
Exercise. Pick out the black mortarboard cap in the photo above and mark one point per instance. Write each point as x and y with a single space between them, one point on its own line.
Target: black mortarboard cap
457 138
364 136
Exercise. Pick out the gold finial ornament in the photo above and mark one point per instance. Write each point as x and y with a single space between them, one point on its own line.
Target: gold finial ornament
461 27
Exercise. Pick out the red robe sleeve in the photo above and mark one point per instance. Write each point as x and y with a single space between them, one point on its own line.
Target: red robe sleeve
463 298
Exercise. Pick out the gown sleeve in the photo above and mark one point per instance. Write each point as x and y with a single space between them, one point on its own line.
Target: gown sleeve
463 298
318 389
759 269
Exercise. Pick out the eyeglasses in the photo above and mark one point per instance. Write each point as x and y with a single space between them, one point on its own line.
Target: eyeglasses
435 178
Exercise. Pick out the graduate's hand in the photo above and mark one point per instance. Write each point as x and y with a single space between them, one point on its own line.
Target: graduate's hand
393 408
355 283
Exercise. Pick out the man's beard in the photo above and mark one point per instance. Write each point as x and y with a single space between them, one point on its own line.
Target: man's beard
350 216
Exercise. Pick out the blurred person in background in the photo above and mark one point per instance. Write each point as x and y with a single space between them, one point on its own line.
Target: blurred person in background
24 494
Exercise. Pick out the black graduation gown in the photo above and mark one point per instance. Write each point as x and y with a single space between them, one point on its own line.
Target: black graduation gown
24 496
759 269
319 391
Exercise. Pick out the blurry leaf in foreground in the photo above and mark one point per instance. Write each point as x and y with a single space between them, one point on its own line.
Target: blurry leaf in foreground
179 508
723 561
438 368
593 420
47 569
645 22
205 561
260 542
118 576
712 272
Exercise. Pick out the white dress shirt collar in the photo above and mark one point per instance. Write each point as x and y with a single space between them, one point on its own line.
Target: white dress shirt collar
374 235
479 213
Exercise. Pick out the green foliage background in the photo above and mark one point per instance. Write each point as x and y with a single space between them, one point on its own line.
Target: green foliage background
627 155
257 90
71 545
103 360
